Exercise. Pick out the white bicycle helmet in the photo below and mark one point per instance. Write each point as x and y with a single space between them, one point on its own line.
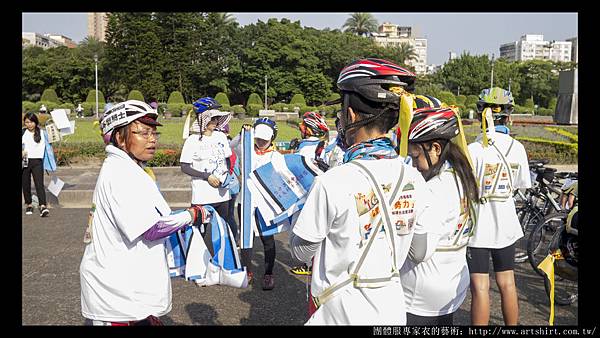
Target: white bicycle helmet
124 113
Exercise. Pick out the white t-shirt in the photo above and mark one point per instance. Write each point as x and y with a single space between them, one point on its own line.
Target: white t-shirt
33 149
497 222
439 285
309 148
331 216
207 155
123 276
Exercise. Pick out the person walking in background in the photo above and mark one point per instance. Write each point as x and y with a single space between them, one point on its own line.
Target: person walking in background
205 158
37 155
501 166
79 111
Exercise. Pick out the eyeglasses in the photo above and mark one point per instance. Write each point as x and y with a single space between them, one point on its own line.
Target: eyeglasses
146 134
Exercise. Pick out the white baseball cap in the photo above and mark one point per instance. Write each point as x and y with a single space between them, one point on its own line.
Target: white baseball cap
263 132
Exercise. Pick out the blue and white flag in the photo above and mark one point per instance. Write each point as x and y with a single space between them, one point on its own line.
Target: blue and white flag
247 147
279 190
188 256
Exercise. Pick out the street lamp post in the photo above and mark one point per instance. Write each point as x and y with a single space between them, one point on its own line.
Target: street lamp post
265 92
96 66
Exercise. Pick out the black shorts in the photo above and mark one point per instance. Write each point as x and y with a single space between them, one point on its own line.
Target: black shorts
478 259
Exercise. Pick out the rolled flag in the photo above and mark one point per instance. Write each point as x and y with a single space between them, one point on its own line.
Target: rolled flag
406 114
247 151
186 125
487 122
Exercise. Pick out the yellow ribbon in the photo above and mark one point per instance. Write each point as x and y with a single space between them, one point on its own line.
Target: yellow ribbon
547 265
461 141
405 118
487 120
186 125
150 173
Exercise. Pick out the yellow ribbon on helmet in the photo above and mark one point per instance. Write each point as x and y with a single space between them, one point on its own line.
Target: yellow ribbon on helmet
460 140
547 266
487 120
405 118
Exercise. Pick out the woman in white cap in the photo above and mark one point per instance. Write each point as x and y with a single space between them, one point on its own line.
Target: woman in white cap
124 274
205 157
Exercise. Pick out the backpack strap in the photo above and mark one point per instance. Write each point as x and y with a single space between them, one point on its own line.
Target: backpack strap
383 219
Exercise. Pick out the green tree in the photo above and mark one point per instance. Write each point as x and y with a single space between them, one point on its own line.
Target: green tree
552 103
539 80
403 53
360 24
529 103
223 18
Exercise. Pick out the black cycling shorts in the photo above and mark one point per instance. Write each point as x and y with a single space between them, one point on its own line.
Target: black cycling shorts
478 259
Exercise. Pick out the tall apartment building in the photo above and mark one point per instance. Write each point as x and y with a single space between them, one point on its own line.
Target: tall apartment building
45 41
62 39
97 23
533 46
391 35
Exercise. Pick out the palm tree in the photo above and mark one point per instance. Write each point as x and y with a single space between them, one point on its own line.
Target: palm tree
223 18
360 24
405 52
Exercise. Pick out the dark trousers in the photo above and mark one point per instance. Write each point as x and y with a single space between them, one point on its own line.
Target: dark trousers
231 220
222 209
35 168
269 248
414 320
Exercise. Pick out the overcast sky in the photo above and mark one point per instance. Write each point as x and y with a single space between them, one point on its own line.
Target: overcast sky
476 33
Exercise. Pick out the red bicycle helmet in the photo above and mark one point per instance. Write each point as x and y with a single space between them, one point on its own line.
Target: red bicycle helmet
313 124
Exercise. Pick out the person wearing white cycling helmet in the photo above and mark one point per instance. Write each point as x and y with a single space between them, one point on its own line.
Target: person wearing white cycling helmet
205 158
359 218
124 274
436 287
501 166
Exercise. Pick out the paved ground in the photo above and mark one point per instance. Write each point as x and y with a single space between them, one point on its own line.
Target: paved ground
53 247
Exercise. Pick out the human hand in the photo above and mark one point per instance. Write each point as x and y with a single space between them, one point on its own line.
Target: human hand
246 126
214 181
177 219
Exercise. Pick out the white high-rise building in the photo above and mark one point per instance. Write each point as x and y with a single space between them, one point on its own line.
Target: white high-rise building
533 47
97 23
45 41
391 35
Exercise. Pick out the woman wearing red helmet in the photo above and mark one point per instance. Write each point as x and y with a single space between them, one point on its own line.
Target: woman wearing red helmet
436 287
359 218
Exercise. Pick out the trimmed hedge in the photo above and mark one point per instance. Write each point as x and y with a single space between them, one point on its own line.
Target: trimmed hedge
91 97
50 95
573 137
298 100
176 104
135 95
555 152
254 99
222 99
28 106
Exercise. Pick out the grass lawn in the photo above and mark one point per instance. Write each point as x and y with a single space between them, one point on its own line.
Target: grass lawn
172 128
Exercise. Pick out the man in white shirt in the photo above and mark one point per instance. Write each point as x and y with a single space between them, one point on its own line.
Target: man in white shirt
501 166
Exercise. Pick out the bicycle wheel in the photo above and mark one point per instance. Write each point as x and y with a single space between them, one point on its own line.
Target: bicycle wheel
528 218
540 237
565 276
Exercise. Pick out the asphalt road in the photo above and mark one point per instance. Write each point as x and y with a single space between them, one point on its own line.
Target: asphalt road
52 249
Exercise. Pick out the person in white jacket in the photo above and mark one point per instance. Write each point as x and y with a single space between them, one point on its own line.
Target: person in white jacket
435 288
123 272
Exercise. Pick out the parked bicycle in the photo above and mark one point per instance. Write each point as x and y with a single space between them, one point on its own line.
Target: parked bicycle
557 234
536 202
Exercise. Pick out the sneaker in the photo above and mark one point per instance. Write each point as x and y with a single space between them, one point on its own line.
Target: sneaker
44 212
268 282
250 276
29 211
301 270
